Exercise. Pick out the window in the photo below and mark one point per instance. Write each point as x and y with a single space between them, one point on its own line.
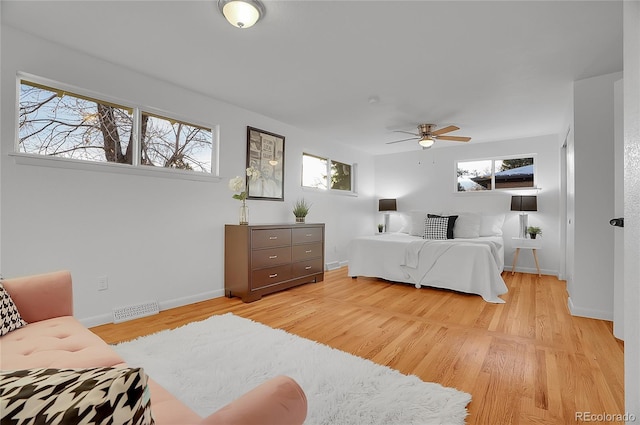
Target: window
491 174
175 144
58 123
53 122
323 173
314 171
340 176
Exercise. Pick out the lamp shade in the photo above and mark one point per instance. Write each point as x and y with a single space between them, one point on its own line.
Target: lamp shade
387 205
524 203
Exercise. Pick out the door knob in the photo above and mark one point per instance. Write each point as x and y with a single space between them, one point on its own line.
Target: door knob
618 222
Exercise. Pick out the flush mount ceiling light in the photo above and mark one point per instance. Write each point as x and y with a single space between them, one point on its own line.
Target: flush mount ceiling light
242 13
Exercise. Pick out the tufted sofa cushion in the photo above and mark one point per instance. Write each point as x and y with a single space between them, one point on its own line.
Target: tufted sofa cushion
55 343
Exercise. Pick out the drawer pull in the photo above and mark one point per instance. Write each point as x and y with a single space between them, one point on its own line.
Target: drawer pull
271 257
273 275
309 235
273 238
308 268
308 251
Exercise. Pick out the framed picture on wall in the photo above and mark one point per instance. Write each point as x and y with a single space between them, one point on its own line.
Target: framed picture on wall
265 152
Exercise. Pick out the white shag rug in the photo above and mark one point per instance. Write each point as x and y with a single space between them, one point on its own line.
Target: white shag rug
208 364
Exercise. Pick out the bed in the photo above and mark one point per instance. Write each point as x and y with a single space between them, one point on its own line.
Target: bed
471 265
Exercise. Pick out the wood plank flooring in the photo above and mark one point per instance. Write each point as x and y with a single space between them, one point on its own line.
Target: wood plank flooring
524 362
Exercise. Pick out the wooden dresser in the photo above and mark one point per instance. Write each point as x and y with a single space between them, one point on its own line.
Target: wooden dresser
261 259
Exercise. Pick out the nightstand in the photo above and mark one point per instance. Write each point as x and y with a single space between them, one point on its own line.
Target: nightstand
532 244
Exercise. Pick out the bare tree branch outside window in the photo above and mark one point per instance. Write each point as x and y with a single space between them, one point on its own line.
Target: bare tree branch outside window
57 123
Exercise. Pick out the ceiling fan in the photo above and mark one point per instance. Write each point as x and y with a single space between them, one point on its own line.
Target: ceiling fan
426 135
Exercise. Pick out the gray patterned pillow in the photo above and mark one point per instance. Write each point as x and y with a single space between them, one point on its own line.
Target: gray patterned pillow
9 316
101 396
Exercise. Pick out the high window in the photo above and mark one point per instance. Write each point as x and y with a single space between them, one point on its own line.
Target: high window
59 123
323 173
492 174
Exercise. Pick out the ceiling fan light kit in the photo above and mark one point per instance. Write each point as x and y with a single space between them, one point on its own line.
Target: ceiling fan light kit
242 13
426 142
427 136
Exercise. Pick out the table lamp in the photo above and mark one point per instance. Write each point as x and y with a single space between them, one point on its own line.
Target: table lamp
524 203
387 205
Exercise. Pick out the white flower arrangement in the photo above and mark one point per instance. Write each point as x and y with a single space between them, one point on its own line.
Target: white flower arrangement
237 184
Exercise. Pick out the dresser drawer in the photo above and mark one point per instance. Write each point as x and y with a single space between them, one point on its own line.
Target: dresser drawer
270 257
266 238
307 267
306 251
271 276
306 234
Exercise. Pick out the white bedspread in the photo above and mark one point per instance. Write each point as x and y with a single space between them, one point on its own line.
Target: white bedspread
466 265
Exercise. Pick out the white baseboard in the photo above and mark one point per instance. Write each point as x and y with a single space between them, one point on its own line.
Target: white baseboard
179 302
333 265
588 312
164 305
101 319
533 270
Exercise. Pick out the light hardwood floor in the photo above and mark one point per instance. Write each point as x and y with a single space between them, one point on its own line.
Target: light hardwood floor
524 362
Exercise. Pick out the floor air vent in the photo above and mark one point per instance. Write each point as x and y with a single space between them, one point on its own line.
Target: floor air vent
122 314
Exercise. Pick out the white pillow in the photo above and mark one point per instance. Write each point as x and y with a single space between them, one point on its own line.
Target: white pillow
491 224
467 226
417 222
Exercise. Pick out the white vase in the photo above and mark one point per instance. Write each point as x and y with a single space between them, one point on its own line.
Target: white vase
244 214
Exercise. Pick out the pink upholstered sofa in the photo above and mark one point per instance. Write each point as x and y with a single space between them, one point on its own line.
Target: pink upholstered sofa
53 338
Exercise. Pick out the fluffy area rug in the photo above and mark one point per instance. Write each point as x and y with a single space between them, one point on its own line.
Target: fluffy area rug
207 364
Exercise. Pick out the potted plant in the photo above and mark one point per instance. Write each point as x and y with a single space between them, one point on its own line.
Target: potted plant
300 210
534 231
380 228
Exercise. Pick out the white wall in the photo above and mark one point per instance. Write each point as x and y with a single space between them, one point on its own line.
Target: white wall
154 237
425 180
632 206
591 289
618 233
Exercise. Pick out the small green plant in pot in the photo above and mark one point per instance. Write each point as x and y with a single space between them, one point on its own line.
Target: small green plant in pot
380 227
300 210
534 231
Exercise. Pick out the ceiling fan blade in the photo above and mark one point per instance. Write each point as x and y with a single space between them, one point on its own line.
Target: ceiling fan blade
454 138
403 140
445 130
407 132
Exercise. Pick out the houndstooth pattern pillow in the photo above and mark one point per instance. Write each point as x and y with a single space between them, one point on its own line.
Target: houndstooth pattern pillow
9 315
435 227
100 396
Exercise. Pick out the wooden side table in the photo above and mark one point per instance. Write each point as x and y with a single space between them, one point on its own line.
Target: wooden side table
532 244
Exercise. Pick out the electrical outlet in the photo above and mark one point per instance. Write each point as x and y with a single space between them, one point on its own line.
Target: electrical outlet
103 283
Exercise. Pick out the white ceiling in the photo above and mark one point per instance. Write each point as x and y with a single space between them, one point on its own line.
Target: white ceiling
496 69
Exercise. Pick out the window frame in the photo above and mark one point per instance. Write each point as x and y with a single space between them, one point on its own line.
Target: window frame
136 168
493 173
329 189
